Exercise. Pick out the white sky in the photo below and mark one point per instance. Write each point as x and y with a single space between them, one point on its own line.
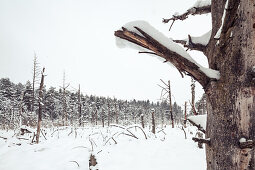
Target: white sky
77 36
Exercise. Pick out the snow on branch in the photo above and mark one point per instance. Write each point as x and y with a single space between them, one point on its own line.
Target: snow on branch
199 121
199 8
196 43
143 37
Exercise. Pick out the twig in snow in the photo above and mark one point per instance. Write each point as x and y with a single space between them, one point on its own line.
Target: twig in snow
92 148
184 132
3 138
76 163
139 128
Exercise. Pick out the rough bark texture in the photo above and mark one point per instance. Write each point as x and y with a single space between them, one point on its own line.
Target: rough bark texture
231 101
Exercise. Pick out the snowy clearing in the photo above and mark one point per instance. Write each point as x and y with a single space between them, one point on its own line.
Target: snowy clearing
67 148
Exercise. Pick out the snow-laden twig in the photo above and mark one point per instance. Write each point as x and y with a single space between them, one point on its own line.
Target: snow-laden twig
199 8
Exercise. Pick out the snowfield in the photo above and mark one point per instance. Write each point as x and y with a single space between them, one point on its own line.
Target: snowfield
115 148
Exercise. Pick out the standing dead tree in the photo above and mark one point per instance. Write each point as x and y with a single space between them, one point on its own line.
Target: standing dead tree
64 100
193 96
40 107
229 82
153 121
35 76
167 90
79 106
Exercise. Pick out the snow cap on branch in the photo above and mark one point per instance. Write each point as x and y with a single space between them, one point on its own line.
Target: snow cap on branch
168 43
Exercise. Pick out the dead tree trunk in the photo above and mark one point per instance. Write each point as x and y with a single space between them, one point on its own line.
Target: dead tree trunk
79 106
40 108
230 96
185 114
35 76
116 113
193 97
153 122
142 120
170 103
109 114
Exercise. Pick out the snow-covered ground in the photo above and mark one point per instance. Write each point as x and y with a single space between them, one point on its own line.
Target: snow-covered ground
69 149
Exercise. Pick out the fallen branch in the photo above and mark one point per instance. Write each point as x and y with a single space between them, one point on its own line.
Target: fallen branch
43 135
3 137
184 132
139 128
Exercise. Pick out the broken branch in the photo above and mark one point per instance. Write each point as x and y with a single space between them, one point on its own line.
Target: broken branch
148 42
192 11
201 140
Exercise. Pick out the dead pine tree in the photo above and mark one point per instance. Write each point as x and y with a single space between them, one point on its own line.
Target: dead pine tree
36 74
167 90
79 106
109 113
40 107
103 116
64 100
229 82
153 121
193 96
185 114
116 112
142 120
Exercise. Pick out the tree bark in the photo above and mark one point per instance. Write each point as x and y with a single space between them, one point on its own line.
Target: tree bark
231 101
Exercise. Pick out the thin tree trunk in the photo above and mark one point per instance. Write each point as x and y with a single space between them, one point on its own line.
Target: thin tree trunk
170 103
40 108
142 120
153 122
79 105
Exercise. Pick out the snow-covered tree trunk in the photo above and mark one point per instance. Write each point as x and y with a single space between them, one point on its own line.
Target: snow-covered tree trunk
231 96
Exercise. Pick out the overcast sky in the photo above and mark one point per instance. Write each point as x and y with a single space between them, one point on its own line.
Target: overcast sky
77 36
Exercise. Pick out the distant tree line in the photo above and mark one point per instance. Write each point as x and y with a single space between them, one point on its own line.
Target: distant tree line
19 106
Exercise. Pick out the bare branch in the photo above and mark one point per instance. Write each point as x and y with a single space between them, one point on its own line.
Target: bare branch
192 11
191 45
198 126
180 62
201 140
